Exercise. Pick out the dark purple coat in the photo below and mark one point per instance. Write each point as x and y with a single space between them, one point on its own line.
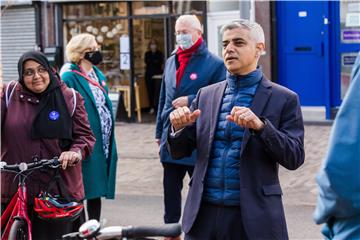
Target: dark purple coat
17 146
280 142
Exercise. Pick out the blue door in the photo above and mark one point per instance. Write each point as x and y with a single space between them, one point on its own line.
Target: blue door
302 40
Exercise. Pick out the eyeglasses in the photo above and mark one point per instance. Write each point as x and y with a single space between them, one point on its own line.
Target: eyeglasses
32 72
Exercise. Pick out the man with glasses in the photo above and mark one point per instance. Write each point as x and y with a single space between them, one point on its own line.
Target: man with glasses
190 67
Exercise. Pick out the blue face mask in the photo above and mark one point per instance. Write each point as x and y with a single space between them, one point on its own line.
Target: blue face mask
184 40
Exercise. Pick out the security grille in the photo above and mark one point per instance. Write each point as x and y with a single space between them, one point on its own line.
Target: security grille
18 35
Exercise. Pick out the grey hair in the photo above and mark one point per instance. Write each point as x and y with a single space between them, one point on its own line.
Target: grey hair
192 20
256 31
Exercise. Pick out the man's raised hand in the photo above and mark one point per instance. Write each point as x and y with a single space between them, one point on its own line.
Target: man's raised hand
245 118
182 117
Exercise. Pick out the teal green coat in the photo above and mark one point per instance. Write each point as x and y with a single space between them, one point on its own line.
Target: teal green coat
99 173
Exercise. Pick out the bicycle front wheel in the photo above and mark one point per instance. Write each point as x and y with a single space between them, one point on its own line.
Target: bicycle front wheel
18 230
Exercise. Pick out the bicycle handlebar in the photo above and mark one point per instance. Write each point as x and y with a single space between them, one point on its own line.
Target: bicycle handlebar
167 230
21 167
91 230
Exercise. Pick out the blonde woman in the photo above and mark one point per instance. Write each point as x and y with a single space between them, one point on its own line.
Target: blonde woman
99 169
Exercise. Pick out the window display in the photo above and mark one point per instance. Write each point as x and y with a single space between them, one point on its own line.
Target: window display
350 21
107 34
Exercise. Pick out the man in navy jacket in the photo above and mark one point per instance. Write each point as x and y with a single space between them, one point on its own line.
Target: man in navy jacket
189 68
242 129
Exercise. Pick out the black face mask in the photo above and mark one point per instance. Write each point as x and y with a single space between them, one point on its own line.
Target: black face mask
93 57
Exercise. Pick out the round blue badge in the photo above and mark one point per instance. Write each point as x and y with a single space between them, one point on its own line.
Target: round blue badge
54 115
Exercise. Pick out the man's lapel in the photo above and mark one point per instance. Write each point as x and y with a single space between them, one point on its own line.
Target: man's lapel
259 102
215 101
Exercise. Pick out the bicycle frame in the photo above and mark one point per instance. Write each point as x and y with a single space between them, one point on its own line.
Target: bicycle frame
17 209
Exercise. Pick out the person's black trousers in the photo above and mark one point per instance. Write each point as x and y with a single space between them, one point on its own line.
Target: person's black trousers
94 208
173 184
150 89
215 222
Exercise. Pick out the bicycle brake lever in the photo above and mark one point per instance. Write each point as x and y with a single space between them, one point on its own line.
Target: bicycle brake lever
71 236
55 163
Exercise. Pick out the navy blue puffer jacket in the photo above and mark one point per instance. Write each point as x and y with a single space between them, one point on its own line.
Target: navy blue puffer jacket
222 181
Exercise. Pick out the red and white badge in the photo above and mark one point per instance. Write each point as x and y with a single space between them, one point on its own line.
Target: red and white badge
193 76
103 83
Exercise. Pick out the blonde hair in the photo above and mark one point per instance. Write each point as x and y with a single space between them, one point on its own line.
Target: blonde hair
77 45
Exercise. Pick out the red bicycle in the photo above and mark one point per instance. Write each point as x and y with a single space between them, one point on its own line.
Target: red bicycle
15 220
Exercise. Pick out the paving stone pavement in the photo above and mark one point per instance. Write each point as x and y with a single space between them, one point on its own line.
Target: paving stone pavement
140 172
139 181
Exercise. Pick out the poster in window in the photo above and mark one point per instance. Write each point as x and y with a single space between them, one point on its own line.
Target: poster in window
124 61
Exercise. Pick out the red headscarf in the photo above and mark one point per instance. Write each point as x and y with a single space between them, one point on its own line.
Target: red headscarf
184 56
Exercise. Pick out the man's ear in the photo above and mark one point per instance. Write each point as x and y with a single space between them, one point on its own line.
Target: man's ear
260 47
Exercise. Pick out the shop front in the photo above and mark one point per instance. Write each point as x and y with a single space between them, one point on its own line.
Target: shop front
124 31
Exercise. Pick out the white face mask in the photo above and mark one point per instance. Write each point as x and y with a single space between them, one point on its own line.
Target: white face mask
184 40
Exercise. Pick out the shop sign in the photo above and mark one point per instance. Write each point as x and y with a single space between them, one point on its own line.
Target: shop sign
15 2
124 44
124 52
353 7
125 61
352 20
351 35
348 60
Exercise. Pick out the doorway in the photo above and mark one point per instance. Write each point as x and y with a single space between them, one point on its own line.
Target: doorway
148 63
302 49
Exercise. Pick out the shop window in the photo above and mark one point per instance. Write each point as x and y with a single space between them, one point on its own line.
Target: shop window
221 6
347 62
188 7
107 34
350 22
349 35
146 30
150 7
109 9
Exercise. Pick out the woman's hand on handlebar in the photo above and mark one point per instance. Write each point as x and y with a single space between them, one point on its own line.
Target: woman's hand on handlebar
69 159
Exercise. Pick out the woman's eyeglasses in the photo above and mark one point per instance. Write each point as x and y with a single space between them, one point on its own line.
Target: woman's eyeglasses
32 72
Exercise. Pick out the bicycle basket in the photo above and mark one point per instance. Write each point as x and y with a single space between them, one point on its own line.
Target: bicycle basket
52 208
